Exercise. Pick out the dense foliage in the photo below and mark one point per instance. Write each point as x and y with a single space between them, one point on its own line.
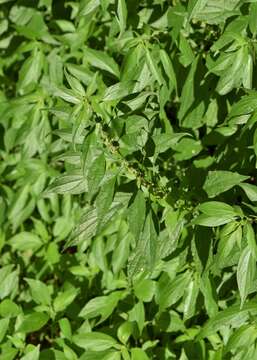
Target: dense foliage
128 143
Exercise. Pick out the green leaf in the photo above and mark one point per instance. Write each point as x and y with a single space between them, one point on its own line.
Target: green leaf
220 181
94 341
215 213
249 234
138 354
153 67
32 355
168 67
145 254
209 292
25 241
9 309
164 142
214 11
191 298
121 252
250 190
67 95
104 199
168 291
232 315
119 91
96 173
9 284
122 15
30 71
241 338
245 273
101 306
102 60
73 184
136 214
209 220
187 55
64 299
137 314
101 355
4 324
253 18
217 208
195 6
233 79
33 322
88 7
144 289
39 291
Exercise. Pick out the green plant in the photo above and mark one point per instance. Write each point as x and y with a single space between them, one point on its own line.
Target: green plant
128 179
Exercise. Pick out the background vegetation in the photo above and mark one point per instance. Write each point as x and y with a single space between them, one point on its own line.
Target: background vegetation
128 189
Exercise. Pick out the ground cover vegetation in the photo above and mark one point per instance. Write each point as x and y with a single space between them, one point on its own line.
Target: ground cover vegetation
128 192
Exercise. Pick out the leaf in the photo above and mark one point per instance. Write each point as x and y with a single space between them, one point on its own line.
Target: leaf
39 291
30 71
96 173
101 355
33 322
4 324
89 7
168 291
136 214
209 220
187 55
75 84
25 241
119 91
64 299
67 95
219 181
168 67
215 11
230 316
101 306
217 208
104 199
86 227
32 355
245 273
144 289
73 184
209 292
164 142
191 298
233 79
137 314
122 15
145 254
195 6
9 284
188 91
250 190
215 213
241 338
249 235
252 18
102 60
153 67
9 309
245 106
121 252
138 354
94 341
